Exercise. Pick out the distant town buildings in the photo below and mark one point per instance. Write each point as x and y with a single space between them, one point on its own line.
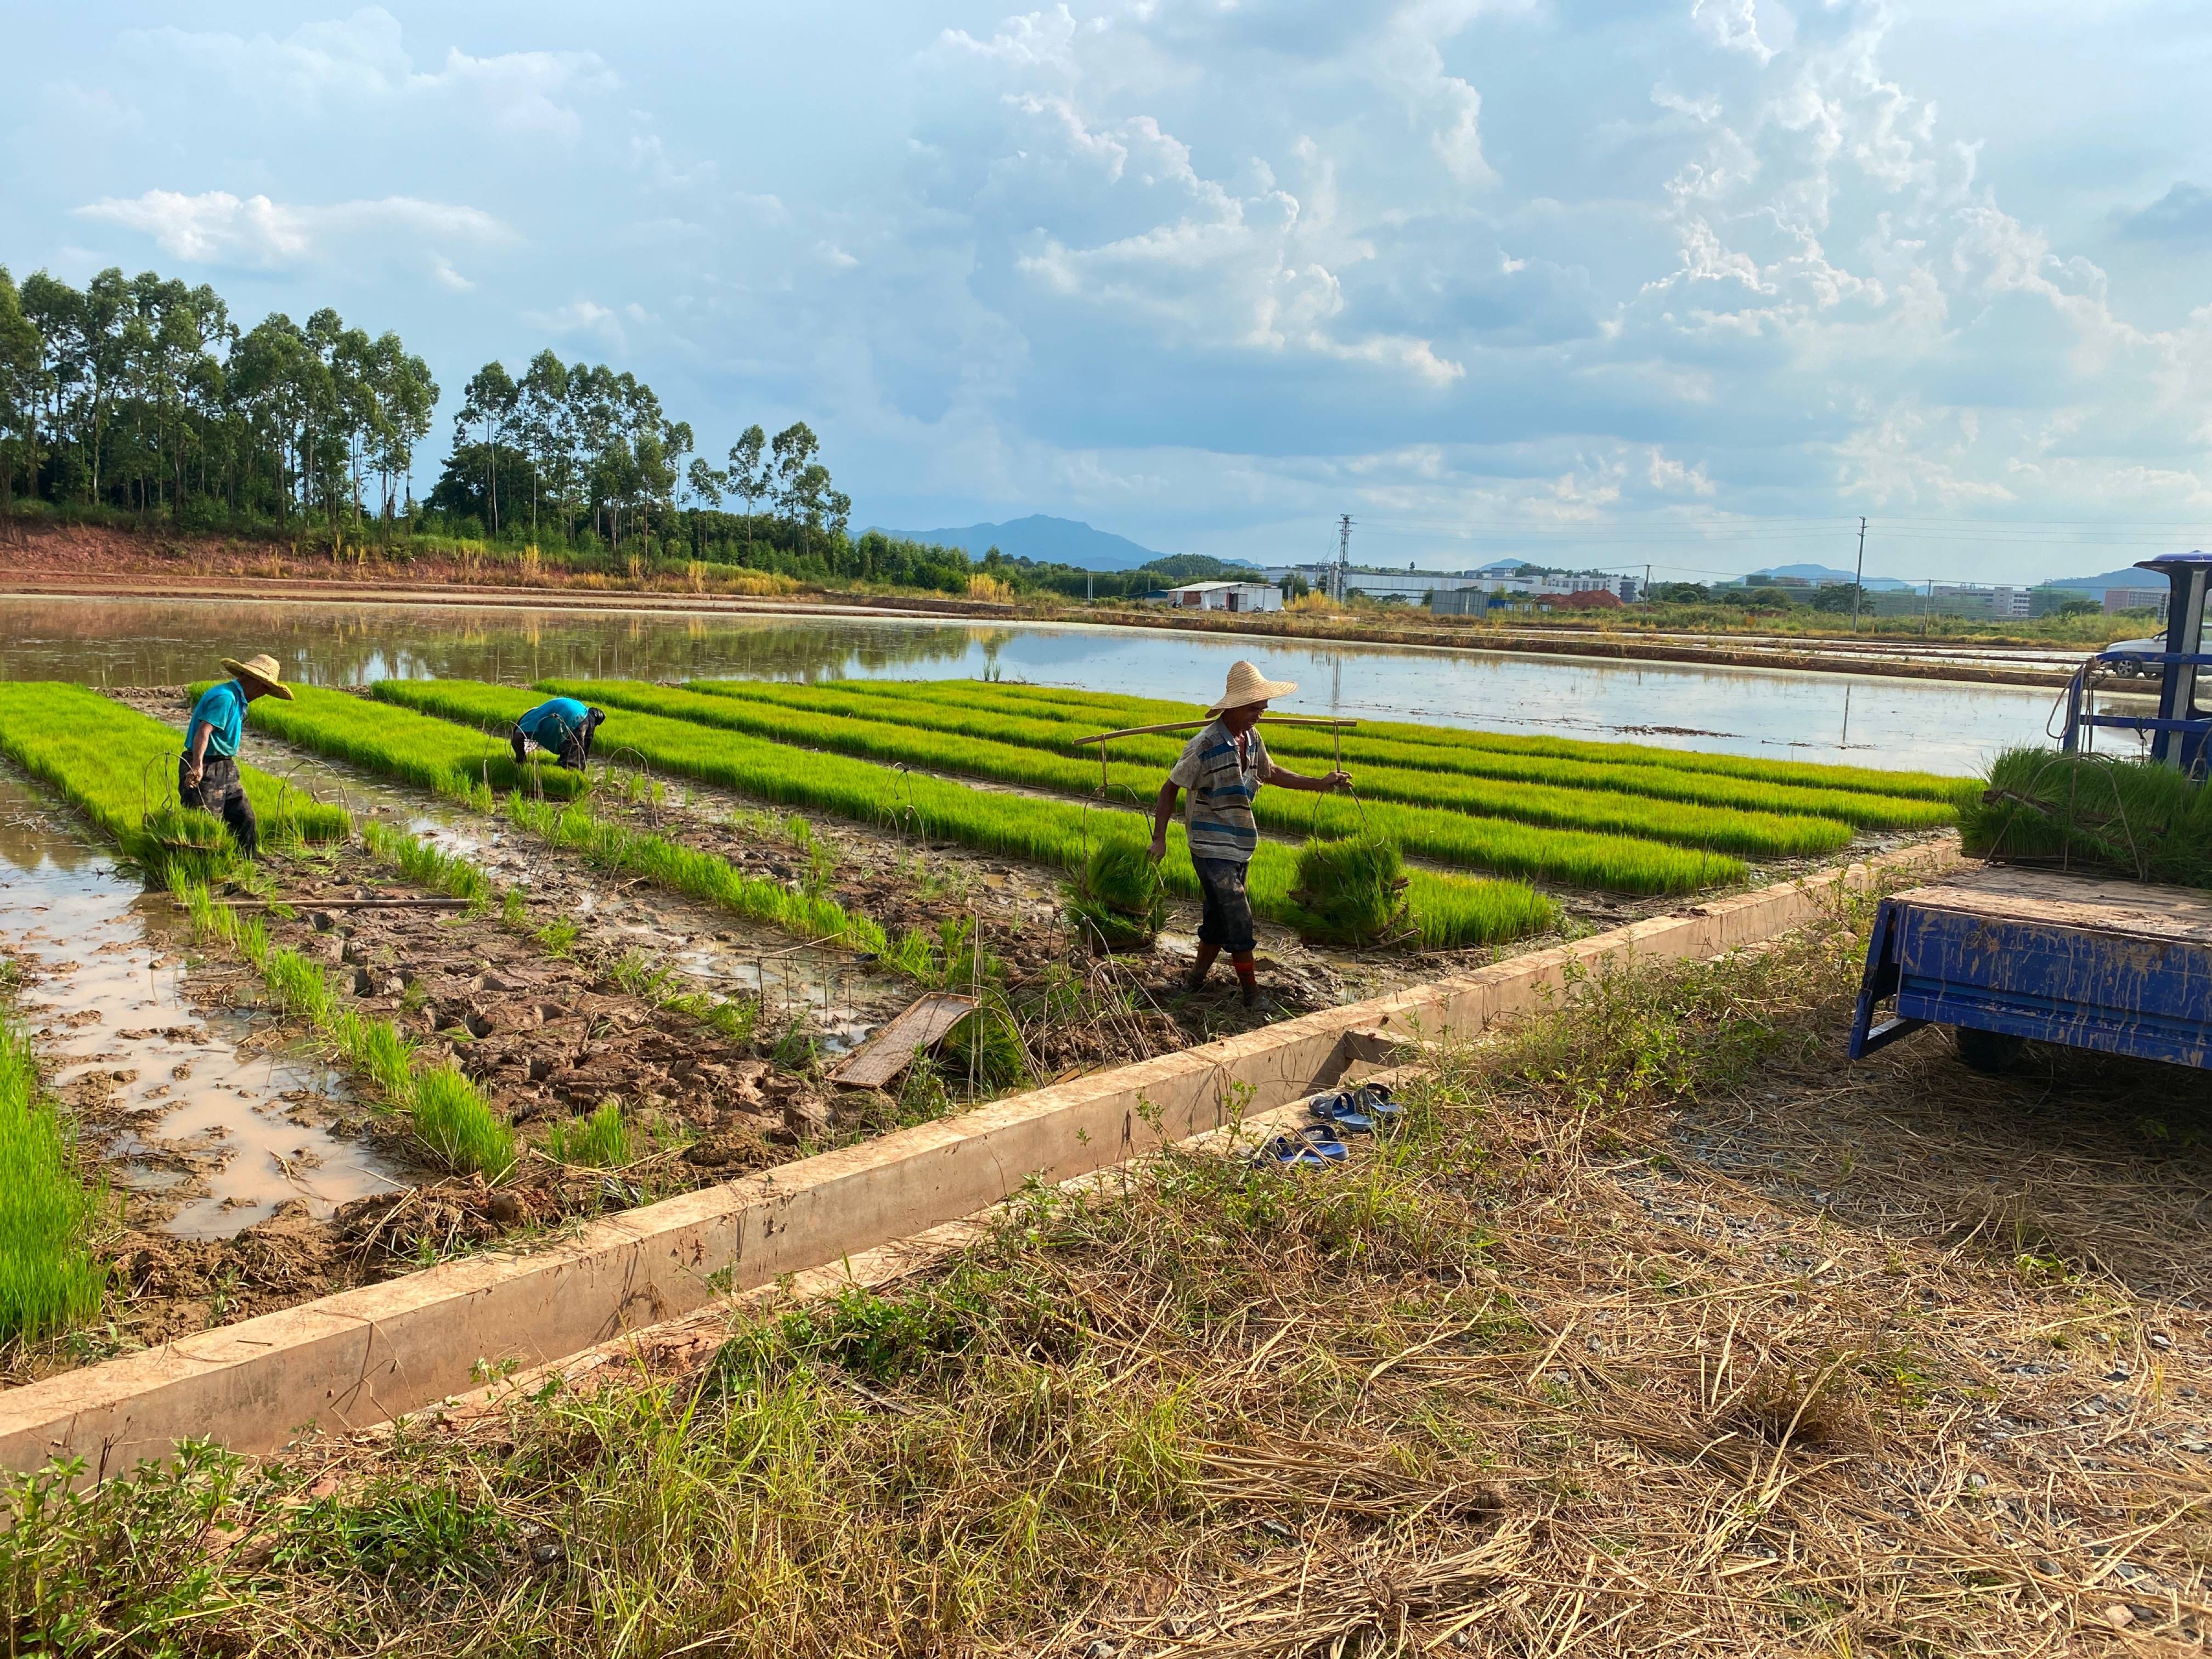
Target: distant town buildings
1447 592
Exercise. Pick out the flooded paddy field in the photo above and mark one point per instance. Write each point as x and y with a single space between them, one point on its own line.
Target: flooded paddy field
629 1027
1815 716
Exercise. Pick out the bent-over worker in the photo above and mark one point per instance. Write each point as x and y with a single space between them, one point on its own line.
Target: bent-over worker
208 777
562 727
1223 767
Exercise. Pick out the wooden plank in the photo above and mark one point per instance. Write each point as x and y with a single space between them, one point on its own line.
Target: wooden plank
920 1024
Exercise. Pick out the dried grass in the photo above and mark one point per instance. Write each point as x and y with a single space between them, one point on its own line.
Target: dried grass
1654 1330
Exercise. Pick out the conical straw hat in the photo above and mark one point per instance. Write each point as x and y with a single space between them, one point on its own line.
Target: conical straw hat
1246 686
262 671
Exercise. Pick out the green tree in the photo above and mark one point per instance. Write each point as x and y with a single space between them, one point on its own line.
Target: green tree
22 360
748 474
488 401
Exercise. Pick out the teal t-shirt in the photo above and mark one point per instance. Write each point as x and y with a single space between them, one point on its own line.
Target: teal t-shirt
553 722
221 709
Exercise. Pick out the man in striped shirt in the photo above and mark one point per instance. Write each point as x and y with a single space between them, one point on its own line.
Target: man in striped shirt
1222 767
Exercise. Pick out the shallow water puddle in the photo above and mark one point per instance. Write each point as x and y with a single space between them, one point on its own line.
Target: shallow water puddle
198 1113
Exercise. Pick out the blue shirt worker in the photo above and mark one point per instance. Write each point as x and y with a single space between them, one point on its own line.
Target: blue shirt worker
562 727
1222 767
207 772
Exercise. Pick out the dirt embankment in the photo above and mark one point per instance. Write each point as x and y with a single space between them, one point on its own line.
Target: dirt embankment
96 560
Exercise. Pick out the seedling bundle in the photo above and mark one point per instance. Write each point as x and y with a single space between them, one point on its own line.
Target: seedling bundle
1350 892
2129 817
1118 898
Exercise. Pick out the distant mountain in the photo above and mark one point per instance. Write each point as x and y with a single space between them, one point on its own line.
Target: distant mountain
1048 540
2126 577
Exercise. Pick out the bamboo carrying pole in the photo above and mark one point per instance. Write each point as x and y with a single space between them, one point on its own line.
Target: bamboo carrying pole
1208 719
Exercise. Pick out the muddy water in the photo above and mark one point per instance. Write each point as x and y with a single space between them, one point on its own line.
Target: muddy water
1876 723
191 1115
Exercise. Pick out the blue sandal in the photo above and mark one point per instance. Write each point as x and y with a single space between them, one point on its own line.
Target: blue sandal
1315 1149
1339 1112
1374 1100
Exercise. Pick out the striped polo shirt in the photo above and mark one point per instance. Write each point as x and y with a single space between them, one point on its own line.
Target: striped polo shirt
1218 817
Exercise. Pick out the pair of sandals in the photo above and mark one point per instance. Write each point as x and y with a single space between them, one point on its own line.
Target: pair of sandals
1363 1110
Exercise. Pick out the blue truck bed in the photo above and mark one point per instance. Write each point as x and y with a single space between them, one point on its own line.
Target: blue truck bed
2118 966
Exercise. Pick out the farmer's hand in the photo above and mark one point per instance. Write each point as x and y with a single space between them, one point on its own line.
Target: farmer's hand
1336 780
192 774
1159 847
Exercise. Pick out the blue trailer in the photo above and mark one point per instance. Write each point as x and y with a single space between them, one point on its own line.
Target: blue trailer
2004 954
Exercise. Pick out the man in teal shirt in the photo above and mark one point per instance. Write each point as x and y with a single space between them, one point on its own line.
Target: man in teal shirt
559 725
208 777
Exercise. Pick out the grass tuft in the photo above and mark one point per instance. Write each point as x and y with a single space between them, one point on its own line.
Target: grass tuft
601 1141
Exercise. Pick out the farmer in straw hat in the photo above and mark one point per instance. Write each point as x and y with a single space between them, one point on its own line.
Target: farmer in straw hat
207 772
1223 767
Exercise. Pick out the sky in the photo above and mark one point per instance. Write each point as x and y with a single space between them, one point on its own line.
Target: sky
1696 282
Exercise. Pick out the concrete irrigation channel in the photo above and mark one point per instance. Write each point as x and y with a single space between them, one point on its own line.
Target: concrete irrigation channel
368 1355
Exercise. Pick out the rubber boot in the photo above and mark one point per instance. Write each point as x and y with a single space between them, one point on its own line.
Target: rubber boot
1248 979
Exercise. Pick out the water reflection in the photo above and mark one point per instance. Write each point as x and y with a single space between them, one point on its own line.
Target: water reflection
1879 723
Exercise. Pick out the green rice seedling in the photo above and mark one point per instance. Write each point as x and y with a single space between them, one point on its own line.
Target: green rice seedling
427 866
1382 765
558 936
615 848
985 1048
513 913
448 1114
469 767
49 1278
1495 803
120 770
601 1141
1350 892
1118 900
376 1047
298 987
1093 711
1045 832
1617 861
2131 817
452 1119
1453 915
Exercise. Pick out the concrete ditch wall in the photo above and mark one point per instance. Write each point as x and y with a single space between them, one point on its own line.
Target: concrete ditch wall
368 1355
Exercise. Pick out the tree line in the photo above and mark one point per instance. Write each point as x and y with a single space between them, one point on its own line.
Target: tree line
571 445
143 393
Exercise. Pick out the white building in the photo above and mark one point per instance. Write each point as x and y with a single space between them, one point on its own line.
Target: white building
1227 596
2002 601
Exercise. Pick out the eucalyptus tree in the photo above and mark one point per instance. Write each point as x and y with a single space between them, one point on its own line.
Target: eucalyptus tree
546 431
488 400
748 474
22 360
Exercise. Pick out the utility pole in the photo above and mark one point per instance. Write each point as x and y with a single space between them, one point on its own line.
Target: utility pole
1343 553
1644 593
1089 586
1858 578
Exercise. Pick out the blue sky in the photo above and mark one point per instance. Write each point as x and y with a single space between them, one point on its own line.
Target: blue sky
1696 282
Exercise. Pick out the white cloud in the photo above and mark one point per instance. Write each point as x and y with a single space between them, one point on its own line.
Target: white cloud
585 317
1035 40
217 227
338 65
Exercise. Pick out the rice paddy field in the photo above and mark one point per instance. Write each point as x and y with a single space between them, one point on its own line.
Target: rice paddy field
1647 1329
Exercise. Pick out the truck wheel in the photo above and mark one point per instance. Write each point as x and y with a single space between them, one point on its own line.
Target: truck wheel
1991 1053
